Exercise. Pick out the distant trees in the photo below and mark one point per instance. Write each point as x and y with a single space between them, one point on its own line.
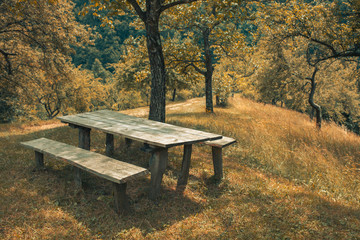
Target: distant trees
210 32
36 40
99 71
300 54
106 44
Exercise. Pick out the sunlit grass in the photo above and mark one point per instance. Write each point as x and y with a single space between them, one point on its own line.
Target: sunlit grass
283 180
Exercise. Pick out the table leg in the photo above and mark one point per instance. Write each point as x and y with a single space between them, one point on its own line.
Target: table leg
109 144
77 177
185 167
39 159
84 138
218 163
84 143
157 169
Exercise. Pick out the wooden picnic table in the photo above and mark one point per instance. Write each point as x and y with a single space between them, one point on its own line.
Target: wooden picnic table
160 136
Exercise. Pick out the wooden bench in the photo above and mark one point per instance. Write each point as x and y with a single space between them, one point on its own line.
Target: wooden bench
105 167
217 146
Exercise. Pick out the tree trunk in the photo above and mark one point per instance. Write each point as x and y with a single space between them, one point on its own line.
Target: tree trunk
174 95
315 106
209 71
157 66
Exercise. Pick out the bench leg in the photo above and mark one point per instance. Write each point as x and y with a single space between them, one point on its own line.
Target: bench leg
218 163
77 177
185 167
39 160
109 144
84 143
120 199
157 169
84 138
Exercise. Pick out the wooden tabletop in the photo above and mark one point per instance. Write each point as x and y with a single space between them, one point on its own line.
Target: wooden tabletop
147 131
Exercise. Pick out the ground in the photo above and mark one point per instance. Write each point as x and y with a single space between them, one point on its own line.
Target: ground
283 180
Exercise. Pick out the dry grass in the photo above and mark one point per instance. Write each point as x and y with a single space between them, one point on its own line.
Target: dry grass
283 180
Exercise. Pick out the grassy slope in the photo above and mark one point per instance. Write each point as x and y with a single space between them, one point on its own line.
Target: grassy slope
283 179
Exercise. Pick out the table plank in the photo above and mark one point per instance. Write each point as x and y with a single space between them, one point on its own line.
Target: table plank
151 132
135 121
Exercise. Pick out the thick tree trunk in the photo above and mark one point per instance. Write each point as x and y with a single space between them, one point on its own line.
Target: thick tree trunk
209 71
315 106
157 66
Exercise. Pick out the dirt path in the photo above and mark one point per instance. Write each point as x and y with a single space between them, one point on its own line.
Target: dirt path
144 111
6 129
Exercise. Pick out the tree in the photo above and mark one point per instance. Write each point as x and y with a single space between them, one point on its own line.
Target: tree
211 32
330 31
132 72
36 39
149 12
99 71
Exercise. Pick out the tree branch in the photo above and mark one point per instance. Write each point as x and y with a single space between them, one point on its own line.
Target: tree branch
332 49
8 63
138 9
196 68
169 5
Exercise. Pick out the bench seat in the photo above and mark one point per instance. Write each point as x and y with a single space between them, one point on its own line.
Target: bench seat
221 143
102 166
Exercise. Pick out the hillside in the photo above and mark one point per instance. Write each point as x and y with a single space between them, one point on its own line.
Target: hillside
283 180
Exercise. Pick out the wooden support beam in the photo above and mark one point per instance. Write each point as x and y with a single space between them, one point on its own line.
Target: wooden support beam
39 160
157 168
84 143
109 144
77 177
84 138
218 163
185 167
121 201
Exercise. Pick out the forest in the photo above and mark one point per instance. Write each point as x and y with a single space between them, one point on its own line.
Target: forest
63 57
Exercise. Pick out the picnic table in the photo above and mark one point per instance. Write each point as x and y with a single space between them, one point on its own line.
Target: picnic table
159 136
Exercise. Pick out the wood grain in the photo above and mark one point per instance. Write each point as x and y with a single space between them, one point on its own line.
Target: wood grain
95 163
220 143
139 129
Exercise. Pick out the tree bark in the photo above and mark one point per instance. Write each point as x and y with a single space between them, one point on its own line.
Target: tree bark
157 63
151 18
209 70
315 106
